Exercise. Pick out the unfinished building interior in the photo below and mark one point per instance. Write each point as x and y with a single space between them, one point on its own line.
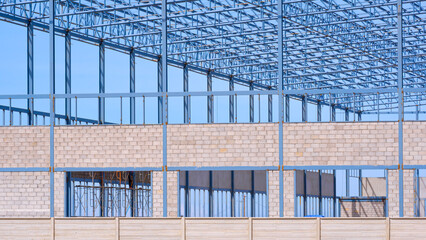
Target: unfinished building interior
253 119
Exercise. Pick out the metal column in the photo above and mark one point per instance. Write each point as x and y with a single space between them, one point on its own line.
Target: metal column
251 103
185 98
101 100
287 108
132 86
400 110
231 100
319 110
164 117
346 114
304 109
30 71
269 108
52 102
280 102
210 116
333 112
68 77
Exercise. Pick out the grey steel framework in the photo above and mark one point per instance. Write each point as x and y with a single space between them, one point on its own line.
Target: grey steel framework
360 57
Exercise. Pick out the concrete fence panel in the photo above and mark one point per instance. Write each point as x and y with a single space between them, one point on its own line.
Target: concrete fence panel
351 228
30 228
148 228
217 228
293 228
407 228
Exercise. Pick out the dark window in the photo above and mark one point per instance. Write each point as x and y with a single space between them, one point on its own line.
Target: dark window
109 194
223 194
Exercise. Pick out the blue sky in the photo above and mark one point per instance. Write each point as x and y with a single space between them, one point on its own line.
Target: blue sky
85 80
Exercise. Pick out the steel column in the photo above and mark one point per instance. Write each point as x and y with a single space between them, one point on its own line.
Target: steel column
231 100
52 102
185 98
251 103
101 100
30 71
319 110
68 77
160 88
400 110
210 116
164 98
346 114
287 108
270 108
333 112
281 103
132 86
304 109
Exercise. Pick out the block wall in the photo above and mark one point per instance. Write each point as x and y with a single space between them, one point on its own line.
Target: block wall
24 147
24 194
288 193
172 193
414 143
109 146
273 193
362 209
365 143
393 193
203 145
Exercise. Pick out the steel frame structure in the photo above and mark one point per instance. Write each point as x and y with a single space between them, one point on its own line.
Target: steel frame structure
361 57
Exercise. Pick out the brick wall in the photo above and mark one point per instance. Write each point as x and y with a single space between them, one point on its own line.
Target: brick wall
24 147
273 193
204 145
414 143
157 194
208 145
362 209
340 143
59 194
108 146
24 194
172 193
393 193
288 193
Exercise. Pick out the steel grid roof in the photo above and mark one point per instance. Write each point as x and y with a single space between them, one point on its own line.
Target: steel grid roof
327 44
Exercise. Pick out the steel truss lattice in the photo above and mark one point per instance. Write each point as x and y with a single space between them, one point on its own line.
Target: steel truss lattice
327 44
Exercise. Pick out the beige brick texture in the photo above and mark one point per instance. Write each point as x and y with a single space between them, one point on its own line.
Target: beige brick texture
273 193
414 143
24 147
157 194
203 145
108 146
340 143
172 193
59 194
393 193
24 194
288 193
362 209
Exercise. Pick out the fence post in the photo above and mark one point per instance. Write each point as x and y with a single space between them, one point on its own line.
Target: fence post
387 228
117 228
318 228
250 228
52 221
183 228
